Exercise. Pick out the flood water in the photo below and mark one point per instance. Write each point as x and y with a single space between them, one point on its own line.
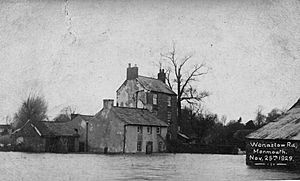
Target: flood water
87 167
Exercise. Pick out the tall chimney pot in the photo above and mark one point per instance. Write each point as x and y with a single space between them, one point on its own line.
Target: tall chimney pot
161 75
132 72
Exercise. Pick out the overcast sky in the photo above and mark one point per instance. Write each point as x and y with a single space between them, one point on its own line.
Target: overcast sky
76 52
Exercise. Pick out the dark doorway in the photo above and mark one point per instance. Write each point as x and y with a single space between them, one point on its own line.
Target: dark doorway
149 147
81 146
71 144
160 146
105 150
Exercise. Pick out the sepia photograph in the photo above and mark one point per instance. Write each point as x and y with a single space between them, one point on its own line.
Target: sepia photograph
194 90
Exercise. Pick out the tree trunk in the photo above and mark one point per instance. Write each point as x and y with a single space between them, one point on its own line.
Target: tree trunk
178 102
179 112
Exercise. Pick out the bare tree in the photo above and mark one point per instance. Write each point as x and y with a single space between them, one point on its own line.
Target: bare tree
223 120
65 114
274 114
7 120
181 78
34 108
260 117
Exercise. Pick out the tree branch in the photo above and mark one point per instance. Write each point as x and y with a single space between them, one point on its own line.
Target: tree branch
184 61
168 72
177 78
172 58
192 76
192 95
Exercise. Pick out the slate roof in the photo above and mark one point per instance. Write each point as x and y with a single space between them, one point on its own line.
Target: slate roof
296 105
62 118
135 116
286 127
52 129
5 126
86 117
65 118
155 85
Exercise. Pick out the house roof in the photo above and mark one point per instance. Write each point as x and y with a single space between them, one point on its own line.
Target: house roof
135 116
296 105
66 118
86 117
155 85
52 129
5 126
286 127
62 118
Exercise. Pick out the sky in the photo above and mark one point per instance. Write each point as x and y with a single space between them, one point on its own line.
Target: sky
75 53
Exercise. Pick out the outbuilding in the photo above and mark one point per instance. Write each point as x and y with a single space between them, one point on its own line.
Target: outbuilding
80 123
45 136
277 143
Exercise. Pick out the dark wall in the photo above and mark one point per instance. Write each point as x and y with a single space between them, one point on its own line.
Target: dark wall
27 139
162 109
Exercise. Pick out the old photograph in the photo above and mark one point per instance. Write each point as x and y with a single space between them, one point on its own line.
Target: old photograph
94 90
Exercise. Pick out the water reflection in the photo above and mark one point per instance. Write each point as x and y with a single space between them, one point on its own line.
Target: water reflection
23 166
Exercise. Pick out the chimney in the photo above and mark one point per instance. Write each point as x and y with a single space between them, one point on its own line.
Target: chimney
162 75
108 103
73 116
132 72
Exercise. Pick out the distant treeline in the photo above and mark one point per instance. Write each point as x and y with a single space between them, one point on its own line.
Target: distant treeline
210 134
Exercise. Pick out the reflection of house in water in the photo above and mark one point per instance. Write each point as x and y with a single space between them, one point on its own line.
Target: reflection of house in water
126 130
45 136
278 142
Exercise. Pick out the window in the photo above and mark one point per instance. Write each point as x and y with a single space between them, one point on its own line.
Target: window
169 116
149 130
169 101
140 129
139 146
160 146
169 136
154 99
158 130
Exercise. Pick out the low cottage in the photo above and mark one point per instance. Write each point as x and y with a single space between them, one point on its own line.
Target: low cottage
277 143
126 130
45 136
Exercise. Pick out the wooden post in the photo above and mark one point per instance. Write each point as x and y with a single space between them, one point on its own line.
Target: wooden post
136 99
87 137
124 141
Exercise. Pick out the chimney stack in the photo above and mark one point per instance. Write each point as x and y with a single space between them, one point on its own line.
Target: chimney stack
108 103
162 75
132 72
73 116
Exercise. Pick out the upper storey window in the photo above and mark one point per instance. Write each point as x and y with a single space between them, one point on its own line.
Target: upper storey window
140 129
149 130
169 116
169 101
154 99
